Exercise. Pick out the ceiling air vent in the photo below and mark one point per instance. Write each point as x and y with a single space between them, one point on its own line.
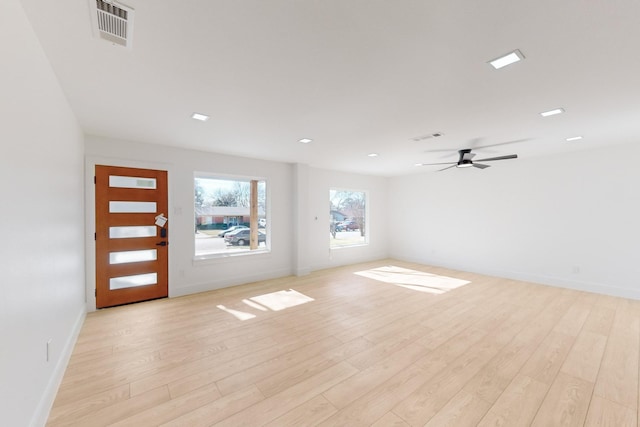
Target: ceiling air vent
423 137
113 22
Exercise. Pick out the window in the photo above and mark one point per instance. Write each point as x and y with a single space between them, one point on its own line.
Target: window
227 211
348 218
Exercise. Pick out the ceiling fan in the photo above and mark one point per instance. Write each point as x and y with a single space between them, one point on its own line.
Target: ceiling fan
465 161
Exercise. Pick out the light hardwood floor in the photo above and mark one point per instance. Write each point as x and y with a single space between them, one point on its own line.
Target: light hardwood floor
494 352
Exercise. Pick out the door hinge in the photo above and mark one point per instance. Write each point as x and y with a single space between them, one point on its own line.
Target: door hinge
95 292
95 180
95 236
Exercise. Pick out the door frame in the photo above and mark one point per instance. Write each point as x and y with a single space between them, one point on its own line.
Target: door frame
90 216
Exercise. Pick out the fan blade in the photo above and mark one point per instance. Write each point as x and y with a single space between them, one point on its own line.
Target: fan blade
448 167
436 164
473 144
510 156
480 166
501 143
442 150
468 156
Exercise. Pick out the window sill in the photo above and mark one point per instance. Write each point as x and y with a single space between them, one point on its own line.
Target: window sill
337 248
222 257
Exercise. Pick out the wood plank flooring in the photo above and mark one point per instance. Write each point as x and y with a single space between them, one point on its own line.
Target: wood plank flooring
398 347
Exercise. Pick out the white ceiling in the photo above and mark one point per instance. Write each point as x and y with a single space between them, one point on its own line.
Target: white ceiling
356 76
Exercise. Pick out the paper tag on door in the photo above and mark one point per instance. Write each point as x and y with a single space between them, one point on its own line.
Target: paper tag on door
161 220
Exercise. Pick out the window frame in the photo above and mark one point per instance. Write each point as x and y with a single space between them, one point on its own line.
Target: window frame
367 226
241 251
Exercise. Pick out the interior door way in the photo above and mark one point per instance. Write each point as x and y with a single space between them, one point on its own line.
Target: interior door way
131 235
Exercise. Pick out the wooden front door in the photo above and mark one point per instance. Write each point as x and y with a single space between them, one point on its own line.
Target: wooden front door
131 235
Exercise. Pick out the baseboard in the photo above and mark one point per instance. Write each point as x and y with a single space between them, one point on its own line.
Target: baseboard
303 271
559 282
578 285
227 282
46 402
333 261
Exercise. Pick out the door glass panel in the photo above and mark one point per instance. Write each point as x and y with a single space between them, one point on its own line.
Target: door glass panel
133 256
133 281
132 207
132 182
132 231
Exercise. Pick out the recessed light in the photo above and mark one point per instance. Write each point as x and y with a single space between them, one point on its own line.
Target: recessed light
305 140
418 164
552 112
201 117
573 138
508 59
372 154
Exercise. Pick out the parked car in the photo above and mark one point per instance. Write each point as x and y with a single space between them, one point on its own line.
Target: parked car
241 237
347 226
230 229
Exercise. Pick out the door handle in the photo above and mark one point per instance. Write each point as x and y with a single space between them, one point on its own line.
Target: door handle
163 243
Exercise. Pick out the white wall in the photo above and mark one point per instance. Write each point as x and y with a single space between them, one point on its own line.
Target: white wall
298 212
569 220
41 231
187 275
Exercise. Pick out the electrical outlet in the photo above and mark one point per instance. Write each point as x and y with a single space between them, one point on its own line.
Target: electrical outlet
576 269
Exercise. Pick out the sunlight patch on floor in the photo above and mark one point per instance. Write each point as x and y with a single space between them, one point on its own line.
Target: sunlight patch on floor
413 279
254 305
240 315
280 300
274 301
